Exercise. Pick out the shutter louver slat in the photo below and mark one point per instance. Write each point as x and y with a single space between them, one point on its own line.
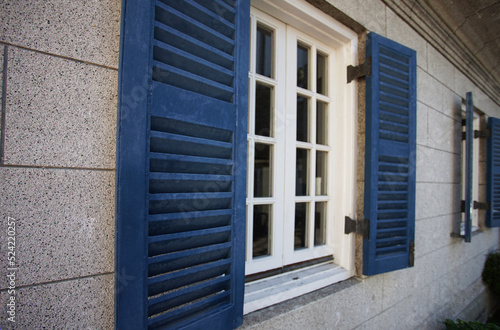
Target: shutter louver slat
204 16
174 316
181 66
390 143
163 302
493 174
173 76
184 61
209 33
159 281
167 35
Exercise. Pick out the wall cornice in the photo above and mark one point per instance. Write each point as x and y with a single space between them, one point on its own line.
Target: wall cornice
425 21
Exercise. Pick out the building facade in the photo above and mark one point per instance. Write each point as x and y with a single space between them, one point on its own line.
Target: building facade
198 162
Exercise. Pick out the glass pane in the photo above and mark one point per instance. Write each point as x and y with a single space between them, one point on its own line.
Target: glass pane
321 166
302 119
302 67
262 171
300 226
301 182
264 51
321 77
321 123
319 223
261 230
263 115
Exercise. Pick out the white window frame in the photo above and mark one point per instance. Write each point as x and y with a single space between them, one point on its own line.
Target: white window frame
307 22
290 255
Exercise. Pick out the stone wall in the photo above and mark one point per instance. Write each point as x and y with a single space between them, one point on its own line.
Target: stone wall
59 62
58 77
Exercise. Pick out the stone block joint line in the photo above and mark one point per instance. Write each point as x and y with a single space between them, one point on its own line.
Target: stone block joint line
4 104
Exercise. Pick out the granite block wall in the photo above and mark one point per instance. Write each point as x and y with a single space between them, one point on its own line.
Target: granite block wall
59 72
58 83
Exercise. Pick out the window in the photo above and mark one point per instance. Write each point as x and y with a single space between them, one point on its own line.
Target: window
289 143
182 165
301 121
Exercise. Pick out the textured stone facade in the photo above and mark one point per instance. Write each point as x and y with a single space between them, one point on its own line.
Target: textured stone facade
57 177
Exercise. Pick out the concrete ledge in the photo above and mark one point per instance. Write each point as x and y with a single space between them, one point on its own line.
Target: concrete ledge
270 315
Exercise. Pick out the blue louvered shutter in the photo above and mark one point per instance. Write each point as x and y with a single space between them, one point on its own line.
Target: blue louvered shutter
181 164
469 143
493 174
390 156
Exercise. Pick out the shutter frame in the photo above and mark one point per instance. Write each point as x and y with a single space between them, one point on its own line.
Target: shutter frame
197 119
391 153
493 173
469 167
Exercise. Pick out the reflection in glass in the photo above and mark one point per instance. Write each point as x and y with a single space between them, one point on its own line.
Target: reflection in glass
300 226
264 51
319 223
302 66
261 230
321 123
321 77
302 119
321 165
263 95
301 171
262 171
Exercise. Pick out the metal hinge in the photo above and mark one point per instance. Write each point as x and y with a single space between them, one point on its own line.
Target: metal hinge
481 206
411 261
361 227
358 71
476 206
482 134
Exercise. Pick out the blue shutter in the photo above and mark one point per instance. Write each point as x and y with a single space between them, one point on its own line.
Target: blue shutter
469 143
390 156
181 164
493 174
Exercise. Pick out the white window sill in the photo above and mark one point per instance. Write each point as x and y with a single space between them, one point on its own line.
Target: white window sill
273 290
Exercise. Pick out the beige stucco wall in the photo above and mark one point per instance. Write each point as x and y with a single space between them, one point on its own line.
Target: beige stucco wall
57 180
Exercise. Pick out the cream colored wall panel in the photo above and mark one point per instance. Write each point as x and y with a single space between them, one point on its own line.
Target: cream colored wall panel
86 303
59 112
86 30
369 13
64 220
400 32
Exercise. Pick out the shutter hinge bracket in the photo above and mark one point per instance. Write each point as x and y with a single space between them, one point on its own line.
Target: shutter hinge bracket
361 227
482 134
358 71
481 206
476 206
411 261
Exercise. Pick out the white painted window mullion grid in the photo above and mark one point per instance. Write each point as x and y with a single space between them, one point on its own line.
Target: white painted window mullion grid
307 168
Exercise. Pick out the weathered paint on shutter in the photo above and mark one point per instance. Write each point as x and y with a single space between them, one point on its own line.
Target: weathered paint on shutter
493 174
390 156
181 166
469 144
